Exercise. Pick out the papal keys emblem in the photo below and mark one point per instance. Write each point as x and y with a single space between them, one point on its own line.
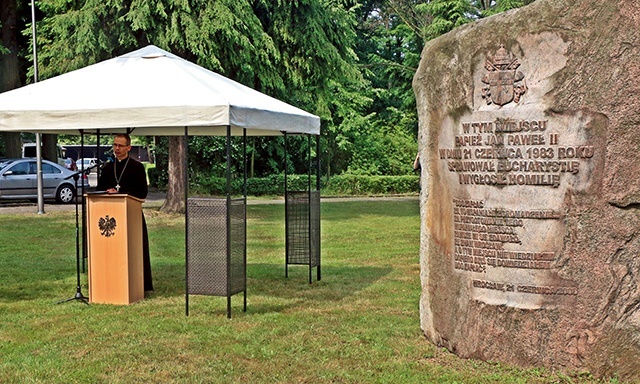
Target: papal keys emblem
107 226
504 83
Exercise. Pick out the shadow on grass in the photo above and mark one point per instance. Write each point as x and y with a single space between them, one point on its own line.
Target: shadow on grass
337 282
353 210
342 210
268 291
22 292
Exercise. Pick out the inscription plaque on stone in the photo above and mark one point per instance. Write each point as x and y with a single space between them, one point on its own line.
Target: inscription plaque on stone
509 171
530 196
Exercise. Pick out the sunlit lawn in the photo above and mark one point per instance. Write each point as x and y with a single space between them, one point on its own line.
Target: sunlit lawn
358 324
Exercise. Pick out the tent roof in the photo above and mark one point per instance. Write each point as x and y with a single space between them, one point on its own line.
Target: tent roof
152 92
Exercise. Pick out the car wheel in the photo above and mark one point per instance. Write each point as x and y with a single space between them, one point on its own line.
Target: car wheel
65 194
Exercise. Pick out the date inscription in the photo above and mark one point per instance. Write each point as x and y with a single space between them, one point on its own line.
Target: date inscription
512 152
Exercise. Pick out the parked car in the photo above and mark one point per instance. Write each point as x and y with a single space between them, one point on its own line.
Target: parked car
4 162
29 150
86 163
70 164
18 180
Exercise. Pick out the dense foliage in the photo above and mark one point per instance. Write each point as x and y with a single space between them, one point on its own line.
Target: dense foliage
349 61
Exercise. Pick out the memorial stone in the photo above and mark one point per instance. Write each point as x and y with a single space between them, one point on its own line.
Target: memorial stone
529 136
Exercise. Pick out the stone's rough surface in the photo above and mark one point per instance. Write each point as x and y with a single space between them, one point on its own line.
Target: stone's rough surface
529 137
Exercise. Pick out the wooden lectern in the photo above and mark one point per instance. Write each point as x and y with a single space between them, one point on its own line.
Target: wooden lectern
114 233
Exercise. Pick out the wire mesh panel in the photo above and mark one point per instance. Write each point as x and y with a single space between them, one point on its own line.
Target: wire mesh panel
315 228
238 243
216 257
297 227
303 228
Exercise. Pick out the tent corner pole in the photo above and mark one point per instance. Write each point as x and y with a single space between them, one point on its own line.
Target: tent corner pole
186 220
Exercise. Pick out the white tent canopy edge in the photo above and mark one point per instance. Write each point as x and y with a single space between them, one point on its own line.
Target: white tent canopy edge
148 92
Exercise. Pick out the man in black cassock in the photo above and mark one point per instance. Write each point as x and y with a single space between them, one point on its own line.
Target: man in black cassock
127 175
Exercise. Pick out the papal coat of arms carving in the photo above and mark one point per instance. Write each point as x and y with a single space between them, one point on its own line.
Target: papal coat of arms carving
107 226
504 83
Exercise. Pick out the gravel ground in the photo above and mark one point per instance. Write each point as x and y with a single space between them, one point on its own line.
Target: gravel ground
17 207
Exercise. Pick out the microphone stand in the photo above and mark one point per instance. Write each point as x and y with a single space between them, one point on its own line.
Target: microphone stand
78 296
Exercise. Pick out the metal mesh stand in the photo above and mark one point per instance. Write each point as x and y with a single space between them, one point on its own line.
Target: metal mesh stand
303 230
216 248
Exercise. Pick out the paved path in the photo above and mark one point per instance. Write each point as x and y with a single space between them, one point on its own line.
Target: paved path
17 207
156 199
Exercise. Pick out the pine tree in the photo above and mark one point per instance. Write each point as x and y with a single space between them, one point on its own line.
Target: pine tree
296 51
9 66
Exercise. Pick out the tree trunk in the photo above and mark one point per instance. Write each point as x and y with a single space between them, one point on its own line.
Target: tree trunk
50 147
9 66
253 157
12 144
174 203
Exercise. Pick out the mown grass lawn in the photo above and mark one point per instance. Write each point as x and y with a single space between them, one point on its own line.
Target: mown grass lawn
359 324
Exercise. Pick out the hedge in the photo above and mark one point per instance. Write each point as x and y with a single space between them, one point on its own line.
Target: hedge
345 184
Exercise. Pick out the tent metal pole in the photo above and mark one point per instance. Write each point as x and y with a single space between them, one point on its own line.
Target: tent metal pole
286 211
39 181
244 192
318 162
310 163
309 218
228 221
318 185
186 219
98 153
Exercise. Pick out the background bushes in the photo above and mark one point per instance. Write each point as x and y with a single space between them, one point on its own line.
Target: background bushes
345 184
348 184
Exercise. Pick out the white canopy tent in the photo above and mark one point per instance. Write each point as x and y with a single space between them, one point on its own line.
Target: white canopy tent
149 92
153 92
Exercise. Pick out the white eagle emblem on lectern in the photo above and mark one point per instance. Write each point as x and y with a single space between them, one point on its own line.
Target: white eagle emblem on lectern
107 226
504 82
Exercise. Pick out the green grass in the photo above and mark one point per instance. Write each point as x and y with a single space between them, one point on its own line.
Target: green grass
359 324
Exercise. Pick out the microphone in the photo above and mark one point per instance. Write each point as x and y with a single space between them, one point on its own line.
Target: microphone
109 160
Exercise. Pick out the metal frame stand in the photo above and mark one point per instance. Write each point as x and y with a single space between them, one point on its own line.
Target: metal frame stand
302 219
215 266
